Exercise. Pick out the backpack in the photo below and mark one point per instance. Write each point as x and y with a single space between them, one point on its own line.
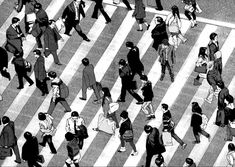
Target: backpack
64 90
204 121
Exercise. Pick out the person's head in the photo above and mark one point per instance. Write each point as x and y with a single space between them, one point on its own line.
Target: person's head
124 114
37 53
214 37
106 92
164 107
165 43
129 45
122 62
52 75
202 51
218 54
37 6
74 115
220 84
85 61
69 136
158 20
28 135
189 161
159 160
148 128
5 120
15 21
144 78
231 147
196 107
41 116
229 99
210 65
175 11
52 23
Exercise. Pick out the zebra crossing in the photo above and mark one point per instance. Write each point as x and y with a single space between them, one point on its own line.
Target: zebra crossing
22 110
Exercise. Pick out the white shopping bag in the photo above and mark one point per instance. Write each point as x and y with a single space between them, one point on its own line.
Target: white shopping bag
167 139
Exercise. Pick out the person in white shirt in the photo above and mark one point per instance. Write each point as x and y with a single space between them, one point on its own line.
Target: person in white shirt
230 155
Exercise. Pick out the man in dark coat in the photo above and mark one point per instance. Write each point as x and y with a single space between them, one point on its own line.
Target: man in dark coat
8 138
154 144
21 72
71 18
4 63
30 151
51 37
89 81
127 83
14 37
99 6
40 72
159 32
133 58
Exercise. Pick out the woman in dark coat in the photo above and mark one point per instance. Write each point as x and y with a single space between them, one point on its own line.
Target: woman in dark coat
159 32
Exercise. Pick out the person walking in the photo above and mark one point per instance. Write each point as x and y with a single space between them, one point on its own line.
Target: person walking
190 11
168 124
196 121
231 155
147 92
71 18
154 144
21 71
51 38
166 54
140 14
4 63
40 72
30 151
174 24
8 138
159 32
213 46
99 6
133 59
47 129
124 127
89 81
127 83
229 118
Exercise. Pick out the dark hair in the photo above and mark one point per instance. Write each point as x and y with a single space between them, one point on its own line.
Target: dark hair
159 160
41 116
69 136
27 135
165 106
124 114
175 11
202 52
74 114
196 108
220 84
159 19
213 35
52 74
38 6
15 20
229 98
85 61
5 119
51 21
148 128
231 147
129 44
106 94
122 62
144 77
37 51
189 161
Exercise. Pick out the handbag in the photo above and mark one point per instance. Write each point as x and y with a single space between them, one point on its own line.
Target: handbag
83 131
128 135
189 8
167 138
201 69
10 48
40 159
5 152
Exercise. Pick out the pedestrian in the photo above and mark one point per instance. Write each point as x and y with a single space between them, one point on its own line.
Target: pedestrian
47 129
218 61
213 77
168 124
74 155
99 6
40 72
196 121
8 138
154 144
30 151
71 18
189 162
72 125
133 58
174 24
51 38
231 155
89 81
41 21
15 37
190 11
147 92
201 62
126 130
21 71
59 93
159 32
229 118
4 63
140 14
127 82
166 54
213 46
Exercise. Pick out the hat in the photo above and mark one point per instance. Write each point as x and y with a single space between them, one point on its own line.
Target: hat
165 42
144 77
113 107
122 62
189 161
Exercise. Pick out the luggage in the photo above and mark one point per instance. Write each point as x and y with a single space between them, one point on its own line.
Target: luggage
106 125
167 139
5 152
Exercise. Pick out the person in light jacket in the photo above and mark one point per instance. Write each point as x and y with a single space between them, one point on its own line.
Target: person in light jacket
231 155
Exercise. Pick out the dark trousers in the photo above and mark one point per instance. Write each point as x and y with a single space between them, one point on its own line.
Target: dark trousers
42 86
127 4
16 152
48 139
95 12
131 143
20 79
188 15
169 69
54 54
197 136
149 156
62 101
95 89
76 26
176 137
131 91
38 40
33 163
159 5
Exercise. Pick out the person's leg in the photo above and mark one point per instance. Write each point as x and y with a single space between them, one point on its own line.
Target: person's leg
16 152
106 16
84 90
68 28
196 135
38 40
158 5
95 11
28 79
135 95
176 137
187 14
55 56
127 4
35 163
64 103
133 145
229 136
44 86
170 71
79 31
148 159
20 79
123 93
51 145
96 91
122 149
163 69
51 107
210 95
144 108
39 85
204 133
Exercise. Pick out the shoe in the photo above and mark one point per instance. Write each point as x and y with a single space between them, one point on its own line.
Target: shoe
139 102
122 149
81 98
68 34
134 153
207 100
196 82
184 146
129 8
172 79
87 39
58 64
43 94
209 138
140 30
150 117
95 129
18 162
120 100
107 22
20 87
31 84
196 142
148 26
41 144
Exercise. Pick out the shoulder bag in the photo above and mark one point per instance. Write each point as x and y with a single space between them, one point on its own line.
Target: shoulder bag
128 134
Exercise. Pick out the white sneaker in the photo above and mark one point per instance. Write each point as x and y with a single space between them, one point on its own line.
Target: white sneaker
134 153
122 149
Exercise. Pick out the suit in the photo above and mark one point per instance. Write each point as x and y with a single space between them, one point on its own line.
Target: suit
158 34
89 80
8 138
40 74
99 6
69 14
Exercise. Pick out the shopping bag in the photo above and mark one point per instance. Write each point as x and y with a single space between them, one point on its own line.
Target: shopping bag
28 66
31 17
5 152
106 125
189 8
167 139
128 135
60 26
40 159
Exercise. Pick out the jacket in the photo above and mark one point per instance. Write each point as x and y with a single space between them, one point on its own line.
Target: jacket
154 143
196 121
51 37
213 77
19 63
42 19
39 68
158 34
139 12
7 137
4 58
125 75
218 65
13 39
213 48
46 126
126 125
88 76
221 97
147 91
166 117
170 55
133 58
30 149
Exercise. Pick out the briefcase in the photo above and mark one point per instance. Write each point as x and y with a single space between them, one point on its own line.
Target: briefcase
5 152
167 139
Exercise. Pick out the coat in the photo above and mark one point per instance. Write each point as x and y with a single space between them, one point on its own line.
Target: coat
42 19
39 68
51 37
170 55
147 91
221 97
7 137
213 77
19 63
218 65
126 125
125 75
139 12
158 34
133 58
30 149
13 39
213 48
4 58
88 76
196 121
